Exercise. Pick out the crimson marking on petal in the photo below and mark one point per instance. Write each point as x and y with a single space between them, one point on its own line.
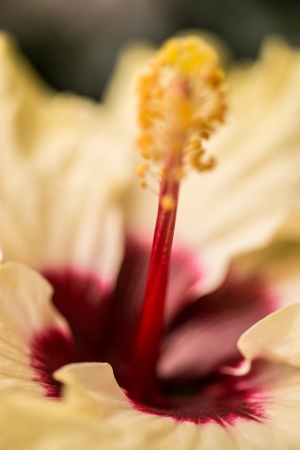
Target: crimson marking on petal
191 385
50 350
84 301
217 319
216 398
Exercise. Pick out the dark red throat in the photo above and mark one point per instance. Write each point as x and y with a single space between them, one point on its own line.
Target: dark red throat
199 338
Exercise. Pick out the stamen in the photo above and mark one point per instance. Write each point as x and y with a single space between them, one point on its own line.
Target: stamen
181 102
143 184
168 202
142 169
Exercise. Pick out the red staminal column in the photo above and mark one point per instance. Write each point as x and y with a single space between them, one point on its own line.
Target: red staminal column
180 102
152 317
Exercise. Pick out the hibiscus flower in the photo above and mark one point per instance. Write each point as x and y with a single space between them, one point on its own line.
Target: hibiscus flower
160 369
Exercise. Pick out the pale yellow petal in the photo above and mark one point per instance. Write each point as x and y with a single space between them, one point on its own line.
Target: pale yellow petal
278 265
275 338
25 311
93 384
120 95
79 421
62 170
256 185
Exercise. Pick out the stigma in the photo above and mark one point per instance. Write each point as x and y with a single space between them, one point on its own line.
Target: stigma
181 103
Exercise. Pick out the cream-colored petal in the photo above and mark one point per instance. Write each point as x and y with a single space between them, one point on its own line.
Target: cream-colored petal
25 311
95 414
63 169
278 265
92 389
290 228
250 194
93 384
32 425
121 96
275 338
56 428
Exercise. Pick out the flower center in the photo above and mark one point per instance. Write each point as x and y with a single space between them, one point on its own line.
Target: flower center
199 338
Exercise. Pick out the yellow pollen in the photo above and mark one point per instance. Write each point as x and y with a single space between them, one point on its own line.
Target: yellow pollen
168 202
142 169
181 103
143 184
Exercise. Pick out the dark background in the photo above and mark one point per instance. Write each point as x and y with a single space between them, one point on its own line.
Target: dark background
74 43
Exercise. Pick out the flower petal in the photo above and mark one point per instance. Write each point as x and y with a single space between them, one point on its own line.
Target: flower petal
256 185
278 264
94 381
64 155
95 413
204 336
25 310
275 338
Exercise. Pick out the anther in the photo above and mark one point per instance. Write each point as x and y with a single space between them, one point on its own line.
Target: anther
167 202
141 169
180 99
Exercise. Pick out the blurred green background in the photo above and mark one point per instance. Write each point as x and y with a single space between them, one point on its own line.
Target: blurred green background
74 43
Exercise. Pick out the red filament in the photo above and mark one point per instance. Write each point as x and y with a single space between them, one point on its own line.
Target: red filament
148 339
